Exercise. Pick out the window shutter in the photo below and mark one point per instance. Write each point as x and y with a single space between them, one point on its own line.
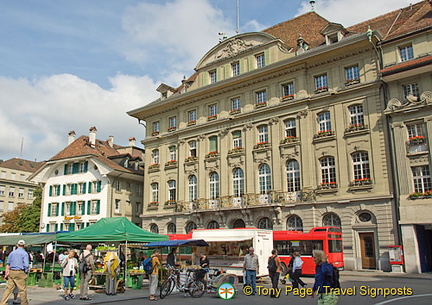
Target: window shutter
71 227
88 207
98 207
74 189
61 226
48 227
84 188
57 209
62 210
87 224
56 227
89 187
49 209
64 189
99 184
75 168
86 167
83 208
65 169
50 190
73 208
213 144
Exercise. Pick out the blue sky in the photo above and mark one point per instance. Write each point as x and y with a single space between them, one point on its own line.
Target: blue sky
70 65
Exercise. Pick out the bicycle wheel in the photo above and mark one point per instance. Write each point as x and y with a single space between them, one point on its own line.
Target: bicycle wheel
197 288
166 288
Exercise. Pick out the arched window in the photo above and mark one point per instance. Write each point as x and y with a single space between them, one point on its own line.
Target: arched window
331 220
154 192
239 223
238 182
190 226
213 225
172 190
193 188
264 177
294 223
171 228
328 171
361 166
265 223
214 185
154 228
293 176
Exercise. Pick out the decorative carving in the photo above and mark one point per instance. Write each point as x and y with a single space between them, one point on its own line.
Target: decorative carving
182 141
247 126
302 113
200 138
411 100
393 104
274 121
232 48
223 132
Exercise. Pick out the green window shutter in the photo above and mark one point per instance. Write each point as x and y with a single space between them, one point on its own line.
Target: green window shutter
84 188
74 189
71 227
88 207
61 227
57 209
99 185
49 209
64 189
89 187
75 168
98 207
56 227
213 144
47 227
86 167
72 208
62 210
65 169
87 224
83 208
50 190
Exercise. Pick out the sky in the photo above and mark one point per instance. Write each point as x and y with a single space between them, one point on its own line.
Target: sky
70 65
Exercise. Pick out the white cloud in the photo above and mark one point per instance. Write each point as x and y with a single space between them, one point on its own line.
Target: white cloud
350 12
45 110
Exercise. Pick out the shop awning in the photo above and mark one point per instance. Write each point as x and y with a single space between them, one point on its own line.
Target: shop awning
30 239
179 243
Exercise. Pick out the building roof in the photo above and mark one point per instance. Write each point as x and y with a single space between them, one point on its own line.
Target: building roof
101 151
406 65
21 164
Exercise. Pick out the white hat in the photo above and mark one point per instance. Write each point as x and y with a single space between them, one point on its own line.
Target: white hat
21 242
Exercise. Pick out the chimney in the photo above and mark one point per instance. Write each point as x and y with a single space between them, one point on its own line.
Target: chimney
111 141
132 142
71 137
92 137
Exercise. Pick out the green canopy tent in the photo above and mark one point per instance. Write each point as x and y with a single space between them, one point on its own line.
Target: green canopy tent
117 229
30 239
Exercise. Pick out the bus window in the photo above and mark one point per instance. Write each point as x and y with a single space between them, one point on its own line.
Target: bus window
283 247
336 230
335 246
307 246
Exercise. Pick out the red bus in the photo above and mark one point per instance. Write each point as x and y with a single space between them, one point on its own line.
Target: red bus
328 239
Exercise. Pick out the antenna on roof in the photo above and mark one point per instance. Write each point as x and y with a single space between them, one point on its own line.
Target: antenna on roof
238 16
312 3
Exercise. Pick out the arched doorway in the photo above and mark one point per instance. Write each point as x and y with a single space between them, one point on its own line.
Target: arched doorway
239 223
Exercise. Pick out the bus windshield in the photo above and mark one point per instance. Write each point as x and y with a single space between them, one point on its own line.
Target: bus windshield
305 247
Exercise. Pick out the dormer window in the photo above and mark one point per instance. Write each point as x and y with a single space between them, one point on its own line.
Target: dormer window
333 33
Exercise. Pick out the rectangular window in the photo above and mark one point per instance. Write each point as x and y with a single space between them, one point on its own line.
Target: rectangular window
290 128
328 170
138 189
237 139
30 194
80 205
155 192
22 177
213 77
3 174
172 122
410 89
11 191
352 75
235 68
288 90
260 61
95 206
21 193
2 190
212 110
156 126
406 53
1 205
10 206
356 115
421 179
192 116
172 190
118 186
235 104
361 166
324 122
155 156
321 83
192 149
173 153
415 130
263 134
54 209
117 206
261 97
213 144
13 176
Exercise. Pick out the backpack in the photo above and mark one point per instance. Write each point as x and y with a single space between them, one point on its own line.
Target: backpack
334 278
148 265
83 267
272 264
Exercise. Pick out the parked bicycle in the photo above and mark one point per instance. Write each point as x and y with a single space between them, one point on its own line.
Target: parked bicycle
193 283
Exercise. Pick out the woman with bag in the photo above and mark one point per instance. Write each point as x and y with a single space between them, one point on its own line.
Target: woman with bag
70 266
297 271
274 270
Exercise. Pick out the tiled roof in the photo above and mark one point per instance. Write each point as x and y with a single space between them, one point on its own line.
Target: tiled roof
407 65
21 164
398 22
101 151
307 25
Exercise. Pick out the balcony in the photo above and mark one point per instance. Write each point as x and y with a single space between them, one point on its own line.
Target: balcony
260 104
171 129
212 117
153 167
152 206
417 144
324 135
237 202
235 111
350 82
262 145
288 140
288 97
236 151
170 204
420 195
213 204
264 198
155 133
171 164
212 155
191 159
191 123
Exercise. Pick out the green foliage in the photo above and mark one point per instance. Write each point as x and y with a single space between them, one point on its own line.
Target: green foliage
25 217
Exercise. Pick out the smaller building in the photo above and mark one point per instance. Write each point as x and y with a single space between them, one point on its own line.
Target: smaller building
15 189
88 180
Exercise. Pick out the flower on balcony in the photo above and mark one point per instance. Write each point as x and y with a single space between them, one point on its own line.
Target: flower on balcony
171 162
191 158
212 117
153 203
416 140
323 133
352 81
261 104
288 140
235 150
212 154
172 128
288 97
262 144
420 195
361 181
190 123
155 133
328 185
235 111
355 127
154 165
321 89
170 202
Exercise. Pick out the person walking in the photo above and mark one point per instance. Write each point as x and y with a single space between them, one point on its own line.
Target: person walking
323 278
17 267
70 266
297 271
154 275
274 267
87 256
251 266
111 268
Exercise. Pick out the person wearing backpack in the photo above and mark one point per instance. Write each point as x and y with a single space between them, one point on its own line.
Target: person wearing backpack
297 271
323 279
153 277
86 268
274 270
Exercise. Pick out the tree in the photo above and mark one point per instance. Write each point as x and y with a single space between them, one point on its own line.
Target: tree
25 217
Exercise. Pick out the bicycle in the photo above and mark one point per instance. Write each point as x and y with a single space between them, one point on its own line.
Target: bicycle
193 285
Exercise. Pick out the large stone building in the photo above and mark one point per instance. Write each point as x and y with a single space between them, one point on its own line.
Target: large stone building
282 129
14 187
88 180
407 79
